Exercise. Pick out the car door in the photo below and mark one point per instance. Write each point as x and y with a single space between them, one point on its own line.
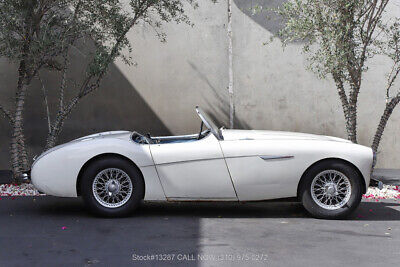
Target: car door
264 169
193 170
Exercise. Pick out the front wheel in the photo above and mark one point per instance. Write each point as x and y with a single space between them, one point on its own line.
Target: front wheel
331 190
112 187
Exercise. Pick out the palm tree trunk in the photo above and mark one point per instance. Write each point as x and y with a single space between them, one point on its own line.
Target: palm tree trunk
383 122
19 157
349 108
355 86
351 125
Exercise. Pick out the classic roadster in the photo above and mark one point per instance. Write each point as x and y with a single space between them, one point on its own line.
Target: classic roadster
115 171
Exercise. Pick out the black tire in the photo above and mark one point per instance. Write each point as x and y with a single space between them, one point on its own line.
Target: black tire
105 163
315 209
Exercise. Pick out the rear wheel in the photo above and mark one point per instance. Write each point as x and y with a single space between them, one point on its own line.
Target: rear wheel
112 187
331 190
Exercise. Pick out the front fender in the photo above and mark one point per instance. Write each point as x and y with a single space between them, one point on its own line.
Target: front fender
56 172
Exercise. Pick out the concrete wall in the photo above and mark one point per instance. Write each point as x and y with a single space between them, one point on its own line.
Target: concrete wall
272 88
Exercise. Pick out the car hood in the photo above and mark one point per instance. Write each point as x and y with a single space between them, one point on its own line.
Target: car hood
230 135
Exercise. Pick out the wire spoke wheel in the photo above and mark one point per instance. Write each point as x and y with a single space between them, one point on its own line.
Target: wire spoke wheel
331 189
112 188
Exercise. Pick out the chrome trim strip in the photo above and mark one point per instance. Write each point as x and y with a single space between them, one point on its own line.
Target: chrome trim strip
185 161
275 157
233 157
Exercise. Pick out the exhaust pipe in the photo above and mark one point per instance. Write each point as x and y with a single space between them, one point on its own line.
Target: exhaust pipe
380 185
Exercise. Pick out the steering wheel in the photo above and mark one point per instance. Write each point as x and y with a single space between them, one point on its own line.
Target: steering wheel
148 138
142 139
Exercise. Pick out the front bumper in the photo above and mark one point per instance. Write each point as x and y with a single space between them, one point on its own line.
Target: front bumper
25 177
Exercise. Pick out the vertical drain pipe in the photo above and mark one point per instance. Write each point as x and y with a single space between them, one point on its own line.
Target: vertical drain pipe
230 63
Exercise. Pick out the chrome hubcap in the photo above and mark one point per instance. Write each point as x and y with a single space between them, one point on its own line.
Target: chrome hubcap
112 188
331 189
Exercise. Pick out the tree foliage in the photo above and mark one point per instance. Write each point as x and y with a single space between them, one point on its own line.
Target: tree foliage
38 34
340 37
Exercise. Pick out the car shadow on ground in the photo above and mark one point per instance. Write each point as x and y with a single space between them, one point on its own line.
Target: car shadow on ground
367 211
384 210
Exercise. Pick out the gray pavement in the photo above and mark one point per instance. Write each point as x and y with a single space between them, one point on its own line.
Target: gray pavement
48 231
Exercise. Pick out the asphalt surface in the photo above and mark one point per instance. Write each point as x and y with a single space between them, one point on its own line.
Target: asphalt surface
48 231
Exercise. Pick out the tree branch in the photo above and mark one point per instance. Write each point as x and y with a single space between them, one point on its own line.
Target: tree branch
88 87
63 80
45 101
392 78
374 18
7 114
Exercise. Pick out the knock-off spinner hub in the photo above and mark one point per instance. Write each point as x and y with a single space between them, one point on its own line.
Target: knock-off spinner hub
113 186
331 189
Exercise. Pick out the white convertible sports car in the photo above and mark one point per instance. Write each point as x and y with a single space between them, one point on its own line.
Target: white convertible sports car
115 171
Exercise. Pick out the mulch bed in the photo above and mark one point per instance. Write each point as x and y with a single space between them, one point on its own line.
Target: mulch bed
10 190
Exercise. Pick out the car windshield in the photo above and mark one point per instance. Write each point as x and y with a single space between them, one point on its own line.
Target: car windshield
209 123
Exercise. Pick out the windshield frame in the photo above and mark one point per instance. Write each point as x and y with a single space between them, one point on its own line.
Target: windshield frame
209 123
